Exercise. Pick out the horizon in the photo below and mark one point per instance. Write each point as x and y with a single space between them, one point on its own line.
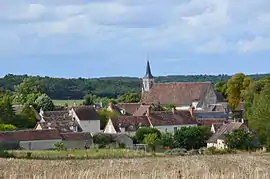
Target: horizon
112 38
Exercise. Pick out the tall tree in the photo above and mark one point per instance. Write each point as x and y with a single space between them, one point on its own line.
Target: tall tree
45 103
221 87
129 98
236 86
6 110
89 99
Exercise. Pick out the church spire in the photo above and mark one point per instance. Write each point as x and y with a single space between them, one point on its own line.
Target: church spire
148 73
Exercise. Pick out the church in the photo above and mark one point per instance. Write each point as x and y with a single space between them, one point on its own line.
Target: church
200 95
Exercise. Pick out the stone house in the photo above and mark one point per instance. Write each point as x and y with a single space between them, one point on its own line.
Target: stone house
220 130
76 119
32 139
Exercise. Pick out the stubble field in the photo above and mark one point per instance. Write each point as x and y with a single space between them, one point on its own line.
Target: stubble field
191 167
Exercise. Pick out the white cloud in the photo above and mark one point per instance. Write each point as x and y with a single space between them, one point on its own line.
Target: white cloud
255 45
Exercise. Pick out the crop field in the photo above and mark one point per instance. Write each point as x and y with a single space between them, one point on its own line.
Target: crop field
240 166
69 102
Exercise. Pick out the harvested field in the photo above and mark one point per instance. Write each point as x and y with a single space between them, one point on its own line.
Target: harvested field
242 166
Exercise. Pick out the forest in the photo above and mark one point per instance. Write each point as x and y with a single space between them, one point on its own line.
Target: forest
110 87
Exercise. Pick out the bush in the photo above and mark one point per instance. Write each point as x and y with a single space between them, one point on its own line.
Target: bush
59 145
215 151
142 132
6 154
176 151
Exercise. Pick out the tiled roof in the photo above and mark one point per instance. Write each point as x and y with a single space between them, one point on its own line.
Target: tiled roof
164 118
85 113
142 110
130 123
224 129
220 97
30 135
60 120
76 136
113 137
210 121
183 93
130 108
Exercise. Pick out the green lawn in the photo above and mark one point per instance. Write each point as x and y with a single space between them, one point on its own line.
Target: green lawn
69 102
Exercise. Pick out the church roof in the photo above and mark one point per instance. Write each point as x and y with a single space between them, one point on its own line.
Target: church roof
148 73
181 93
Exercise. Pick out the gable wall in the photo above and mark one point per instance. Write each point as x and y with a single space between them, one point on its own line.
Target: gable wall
210 97
110 128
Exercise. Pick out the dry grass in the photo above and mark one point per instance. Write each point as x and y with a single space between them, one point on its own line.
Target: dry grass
242 166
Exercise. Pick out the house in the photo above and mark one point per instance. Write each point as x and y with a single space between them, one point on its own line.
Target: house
32 139
76 119
124 108
181 94
77 140
217 140
165 121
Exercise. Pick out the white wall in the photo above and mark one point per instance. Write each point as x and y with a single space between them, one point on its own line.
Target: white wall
171 128
90 125
109 128
39 144
219 145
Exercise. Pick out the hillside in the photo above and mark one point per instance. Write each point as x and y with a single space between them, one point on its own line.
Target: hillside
61 88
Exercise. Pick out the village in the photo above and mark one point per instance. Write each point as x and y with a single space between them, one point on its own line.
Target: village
191 104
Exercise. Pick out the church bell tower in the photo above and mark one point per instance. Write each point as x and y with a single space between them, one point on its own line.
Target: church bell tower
148 79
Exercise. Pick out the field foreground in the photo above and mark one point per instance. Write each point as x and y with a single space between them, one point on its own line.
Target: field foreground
216 167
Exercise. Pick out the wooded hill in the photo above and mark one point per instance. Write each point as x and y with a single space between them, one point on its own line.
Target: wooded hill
111 87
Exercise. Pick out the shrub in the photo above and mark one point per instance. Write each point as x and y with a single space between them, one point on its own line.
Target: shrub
215 151
6 154
59 145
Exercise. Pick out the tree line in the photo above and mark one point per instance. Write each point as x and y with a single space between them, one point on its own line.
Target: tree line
110 87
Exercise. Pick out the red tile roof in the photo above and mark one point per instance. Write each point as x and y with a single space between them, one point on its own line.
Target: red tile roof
130 108
85 113
30 135
142 110
210 121
76 136
182 93
130 123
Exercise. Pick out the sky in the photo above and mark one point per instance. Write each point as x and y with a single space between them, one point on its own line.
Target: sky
97 38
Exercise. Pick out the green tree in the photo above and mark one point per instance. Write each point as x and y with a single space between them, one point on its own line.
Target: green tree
7 127
221 87
44 102
26 119
191 137
105 115
6 110
167 139
241 139
29 86
236 87
102 139
89 99
141 132
151 140
129 98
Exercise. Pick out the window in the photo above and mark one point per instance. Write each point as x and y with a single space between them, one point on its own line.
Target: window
175 129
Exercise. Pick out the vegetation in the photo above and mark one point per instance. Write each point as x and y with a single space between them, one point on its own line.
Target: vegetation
129 98
105 115
144 131
221 166
151 140
44 102
7 127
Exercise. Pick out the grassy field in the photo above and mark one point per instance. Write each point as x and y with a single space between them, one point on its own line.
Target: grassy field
69 102
215 167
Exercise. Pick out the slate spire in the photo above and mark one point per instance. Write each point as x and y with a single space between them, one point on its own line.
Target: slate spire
148 73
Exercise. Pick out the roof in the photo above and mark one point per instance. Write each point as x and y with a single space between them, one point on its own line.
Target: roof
210 121
113 137
224 129
183 93
220 97
76 136
130 123
219 107
148 73
164 118
30 135
130 108
142 110
86 113
60 120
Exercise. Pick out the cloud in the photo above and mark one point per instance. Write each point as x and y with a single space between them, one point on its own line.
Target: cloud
194 26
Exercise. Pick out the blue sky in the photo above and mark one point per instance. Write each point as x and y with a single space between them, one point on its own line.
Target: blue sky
93 38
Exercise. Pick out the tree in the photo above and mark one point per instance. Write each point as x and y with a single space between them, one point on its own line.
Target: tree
29 86
141 132
45 103
221 87
6 110
191 137
129 98
151 140
236 86
7 127
105 115
26 119
241 139
89 99
102 139
167 139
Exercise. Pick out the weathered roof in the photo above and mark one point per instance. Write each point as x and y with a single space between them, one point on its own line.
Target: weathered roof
164 118
60 120
210 121
76 136
30 135
130 108
113 137
85 113
142 110
224 129
220 97
130 123
182 93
